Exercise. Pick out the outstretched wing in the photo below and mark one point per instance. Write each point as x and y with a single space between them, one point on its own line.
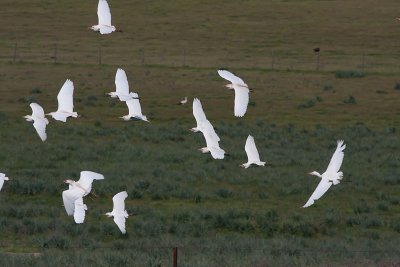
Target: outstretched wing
198 112
251 150
1 181
87 178
65 97
119 201
79 214
241 100
134 107
337 158
104 13
120 222
40 126
121 83
37 110
69 197
321 189
227 75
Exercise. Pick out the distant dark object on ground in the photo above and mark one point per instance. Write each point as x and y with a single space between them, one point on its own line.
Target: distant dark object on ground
316 50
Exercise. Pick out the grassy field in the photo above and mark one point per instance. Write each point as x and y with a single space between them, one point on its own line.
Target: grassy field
217 213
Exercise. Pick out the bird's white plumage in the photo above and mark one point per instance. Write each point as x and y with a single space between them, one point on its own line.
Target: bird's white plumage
86 179
104 13
121 84
65 97
183 101
73 197
37 110
332 175
80 208
252 153
241 92
321 189
119 201
40 126
69 197
65 103
227 75
212 143
3 177
198 113
119 213
337 158
39 121
135 110
241 100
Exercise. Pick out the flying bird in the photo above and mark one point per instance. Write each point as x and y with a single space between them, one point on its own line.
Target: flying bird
3 178
122 87
39 120
212 143
241 91
201 119
104 15
65 103
135 110
119 213
252 153
332 175
73 197
183 101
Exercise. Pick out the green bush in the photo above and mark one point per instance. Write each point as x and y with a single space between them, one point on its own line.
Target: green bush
349 74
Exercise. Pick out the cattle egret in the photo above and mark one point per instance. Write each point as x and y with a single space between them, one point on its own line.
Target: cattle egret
332 175
119 213
135 110
73 197
212 143
252 153
39 121
104 15
122 87
3 178
241 91
201 119
183 101
65 103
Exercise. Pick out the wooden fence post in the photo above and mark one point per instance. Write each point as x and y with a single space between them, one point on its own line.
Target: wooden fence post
175 257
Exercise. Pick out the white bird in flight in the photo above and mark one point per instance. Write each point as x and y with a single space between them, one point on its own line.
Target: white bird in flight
201 119
252 153
104 15
39 120
332 175
65 103
3 178
119 213
205 126
73 197
122 87
241 91
212 143
135 110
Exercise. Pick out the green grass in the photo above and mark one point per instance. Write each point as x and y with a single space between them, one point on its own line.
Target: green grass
217 213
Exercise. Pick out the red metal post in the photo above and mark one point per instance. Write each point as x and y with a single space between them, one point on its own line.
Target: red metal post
175 257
